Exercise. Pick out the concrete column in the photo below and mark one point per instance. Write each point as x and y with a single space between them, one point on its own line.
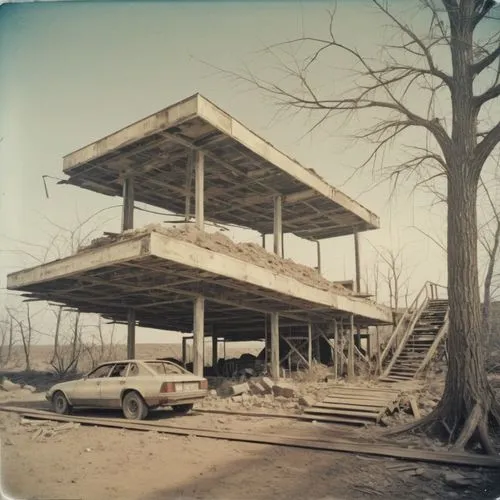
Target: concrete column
350 352
357 262
318 255
128 204
199 190
336 344
215 347
184 351
131 334
275 346
189 179
199 336
309 345
278 226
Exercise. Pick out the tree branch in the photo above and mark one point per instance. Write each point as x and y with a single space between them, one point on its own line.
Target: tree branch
492 93
481 65
487 145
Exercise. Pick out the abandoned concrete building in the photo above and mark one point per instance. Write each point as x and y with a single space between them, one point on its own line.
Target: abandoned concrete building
194 160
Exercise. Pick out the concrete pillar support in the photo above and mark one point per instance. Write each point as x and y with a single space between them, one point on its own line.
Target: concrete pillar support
199 336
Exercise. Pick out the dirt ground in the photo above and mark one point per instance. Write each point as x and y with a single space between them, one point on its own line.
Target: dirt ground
42 461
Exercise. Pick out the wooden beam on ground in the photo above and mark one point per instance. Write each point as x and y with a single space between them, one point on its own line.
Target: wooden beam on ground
199 336
199 190
385 450
130 334
275 346
128 203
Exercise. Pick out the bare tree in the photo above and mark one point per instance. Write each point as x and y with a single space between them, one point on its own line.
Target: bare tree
26 332
466 80
66 355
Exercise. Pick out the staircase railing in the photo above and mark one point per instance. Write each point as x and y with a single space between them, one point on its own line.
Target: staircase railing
405 325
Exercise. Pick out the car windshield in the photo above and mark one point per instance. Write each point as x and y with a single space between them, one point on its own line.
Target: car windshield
162 368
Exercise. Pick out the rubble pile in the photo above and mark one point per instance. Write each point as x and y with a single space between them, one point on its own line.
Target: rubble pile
218 242
257 394
7 388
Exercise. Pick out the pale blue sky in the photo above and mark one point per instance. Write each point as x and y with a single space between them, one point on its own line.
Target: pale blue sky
72 73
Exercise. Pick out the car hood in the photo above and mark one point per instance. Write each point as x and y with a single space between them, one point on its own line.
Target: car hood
63 386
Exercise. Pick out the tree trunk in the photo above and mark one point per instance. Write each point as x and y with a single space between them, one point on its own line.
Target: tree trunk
467 394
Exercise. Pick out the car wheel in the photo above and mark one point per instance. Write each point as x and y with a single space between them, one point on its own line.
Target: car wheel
60 404
182 409
134 407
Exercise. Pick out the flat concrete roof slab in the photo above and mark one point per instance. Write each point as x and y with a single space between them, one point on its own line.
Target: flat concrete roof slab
243 173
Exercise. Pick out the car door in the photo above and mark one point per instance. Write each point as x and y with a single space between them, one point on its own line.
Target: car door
112 386
87 391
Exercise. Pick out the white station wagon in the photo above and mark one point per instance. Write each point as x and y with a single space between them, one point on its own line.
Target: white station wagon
135 386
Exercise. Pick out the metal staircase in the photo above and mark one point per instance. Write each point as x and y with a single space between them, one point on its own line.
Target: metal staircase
417 336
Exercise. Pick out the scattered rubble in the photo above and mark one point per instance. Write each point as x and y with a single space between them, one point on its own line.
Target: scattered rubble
8 386
43 429
307 401
456 480
218 242
240 389
284 390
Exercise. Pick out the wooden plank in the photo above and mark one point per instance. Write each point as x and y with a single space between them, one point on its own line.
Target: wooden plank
363 392
346 413
374 403
330 445
360 399
349 406
414 407
333 420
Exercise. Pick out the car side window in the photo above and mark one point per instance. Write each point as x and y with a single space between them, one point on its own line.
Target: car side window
100 372
133 371
119 370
